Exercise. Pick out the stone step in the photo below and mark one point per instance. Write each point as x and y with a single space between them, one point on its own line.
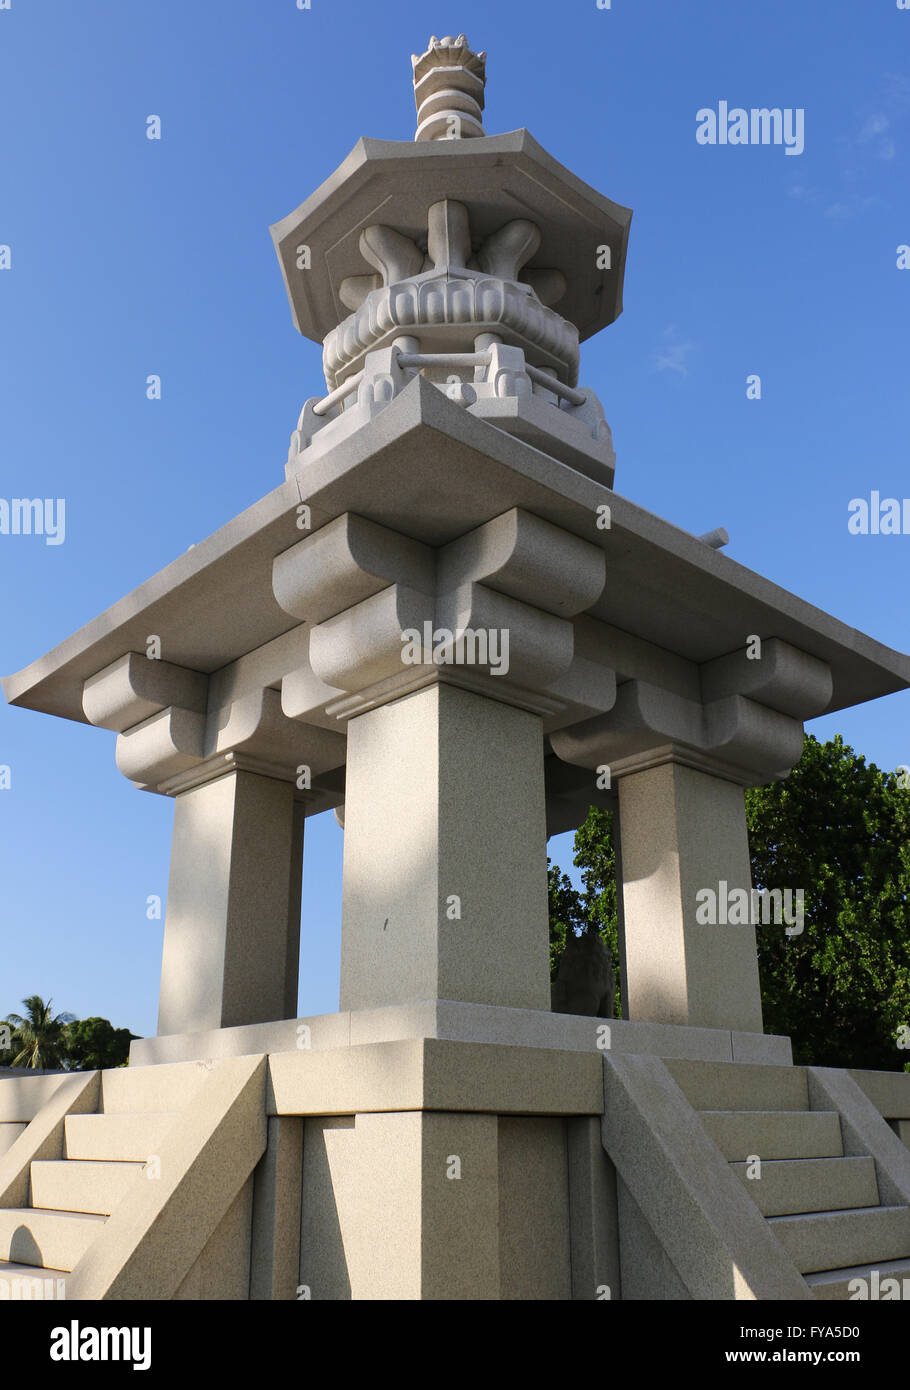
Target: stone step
31 1282
775 1134
790 1186
835 1284
902 1130
124 1138
74 1185
139 1090
47 1239
837 1239
740 1085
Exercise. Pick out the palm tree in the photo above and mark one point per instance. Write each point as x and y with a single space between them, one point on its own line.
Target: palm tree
39 1035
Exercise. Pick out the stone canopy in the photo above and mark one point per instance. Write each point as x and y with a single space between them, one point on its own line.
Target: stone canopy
431 473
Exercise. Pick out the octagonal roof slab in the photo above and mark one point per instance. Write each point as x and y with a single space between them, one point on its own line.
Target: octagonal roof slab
431 471
497 178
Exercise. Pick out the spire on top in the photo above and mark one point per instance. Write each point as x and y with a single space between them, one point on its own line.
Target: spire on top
449 82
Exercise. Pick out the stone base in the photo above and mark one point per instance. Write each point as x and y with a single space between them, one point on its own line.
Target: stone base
439 1169
460 1022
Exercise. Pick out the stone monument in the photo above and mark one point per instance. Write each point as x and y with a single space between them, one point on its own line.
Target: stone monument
447 624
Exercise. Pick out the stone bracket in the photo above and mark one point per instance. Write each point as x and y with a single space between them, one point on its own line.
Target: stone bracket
734 737
526 558
133 688
505 593
162 747
783 678
746 728
345 562
162 751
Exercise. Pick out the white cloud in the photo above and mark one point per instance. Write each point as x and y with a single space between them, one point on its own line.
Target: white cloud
671 356
875 136
804 193
874 125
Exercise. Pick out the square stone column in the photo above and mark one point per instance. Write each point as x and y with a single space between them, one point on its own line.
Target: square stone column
445 892
232 928
682 831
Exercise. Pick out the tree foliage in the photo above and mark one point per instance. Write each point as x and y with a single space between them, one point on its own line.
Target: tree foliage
42 1040
594 908
94 1043
37 1036
838 828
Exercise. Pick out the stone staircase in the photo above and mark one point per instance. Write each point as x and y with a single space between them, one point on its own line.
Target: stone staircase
105 1155
822 1205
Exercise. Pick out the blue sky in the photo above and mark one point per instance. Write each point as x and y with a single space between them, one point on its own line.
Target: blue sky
130 257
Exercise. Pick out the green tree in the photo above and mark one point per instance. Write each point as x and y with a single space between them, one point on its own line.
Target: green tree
37 1037
91 1044
839 829
566 913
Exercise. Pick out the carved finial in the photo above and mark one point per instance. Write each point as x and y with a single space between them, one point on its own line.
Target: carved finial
448 88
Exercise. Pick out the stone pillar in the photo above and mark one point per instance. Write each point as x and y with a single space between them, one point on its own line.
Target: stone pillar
232 929
443 665
684 830
445 890
680 758
224 749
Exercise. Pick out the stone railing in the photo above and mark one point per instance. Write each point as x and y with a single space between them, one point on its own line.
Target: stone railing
494 372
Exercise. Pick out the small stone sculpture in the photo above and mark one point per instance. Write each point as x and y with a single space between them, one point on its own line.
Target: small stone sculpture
585 983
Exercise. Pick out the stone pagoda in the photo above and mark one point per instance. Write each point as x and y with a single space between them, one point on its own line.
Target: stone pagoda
446 624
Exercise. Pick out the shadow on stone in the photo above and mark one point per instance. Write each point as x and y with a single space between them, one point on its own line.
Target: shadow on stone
24 1249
